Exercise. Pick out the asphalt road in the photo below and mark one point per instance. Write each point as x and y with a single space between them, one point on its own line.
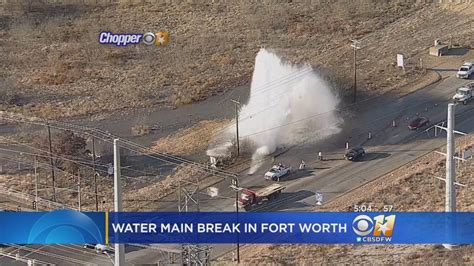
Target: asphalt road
389 148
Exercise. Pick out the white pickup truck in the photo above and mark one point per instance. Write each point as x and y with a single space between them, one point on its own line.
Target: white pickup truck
99 248
464 94
277 171
466 70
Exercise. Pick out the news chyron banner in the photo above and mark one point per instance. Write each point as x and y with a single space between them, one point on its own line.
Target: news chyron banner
71 227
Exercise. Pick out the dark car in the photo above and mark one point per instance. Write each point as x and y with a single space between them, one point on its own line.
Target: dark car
355 154
418 122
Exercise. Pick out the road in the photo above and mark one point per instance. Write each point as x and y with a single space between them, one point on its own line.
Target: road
389 148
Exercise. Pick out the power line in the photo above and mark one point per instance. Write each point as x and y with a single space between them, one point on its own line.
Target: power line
46 166
46 156
79 159
282 80
144 150
133 147
323 113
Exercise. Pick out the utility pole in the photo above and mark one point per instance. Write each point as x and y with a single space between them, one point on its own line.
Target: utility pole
236 184
79 190
237 104
36 183
95 175
356 45
188 192
450 205
119 248
52 164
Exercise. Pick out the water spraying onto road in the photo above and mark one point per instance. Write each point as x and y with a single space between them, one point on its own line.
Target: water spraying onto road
288 105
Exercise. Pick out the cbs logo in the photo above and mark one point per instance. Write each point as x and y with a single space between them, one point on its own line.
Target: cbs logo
362 225
161 38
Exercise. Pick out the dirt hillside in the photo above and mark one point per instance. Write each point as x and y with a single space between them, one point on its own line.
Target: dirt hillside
52 65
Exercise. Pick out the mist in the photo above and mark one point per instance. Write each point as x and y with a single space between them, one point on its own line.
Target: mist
288 105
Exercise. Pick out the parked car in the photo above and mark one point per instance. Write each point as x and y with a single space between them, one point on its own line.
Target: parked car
355 154
418 123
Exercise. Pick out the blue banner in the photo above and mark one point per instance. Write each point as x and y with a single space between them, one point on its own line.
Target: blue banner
71 227
280 227
57 227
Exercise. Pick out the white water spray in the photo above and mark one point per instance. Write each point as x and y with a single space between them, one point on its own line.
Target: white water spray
288 105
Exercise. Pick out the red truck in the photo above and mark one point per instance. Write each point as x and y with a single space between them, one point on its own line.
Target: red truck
249 197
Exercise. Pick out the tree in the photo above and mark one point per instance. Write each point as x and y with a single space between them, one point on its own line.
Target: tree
64 144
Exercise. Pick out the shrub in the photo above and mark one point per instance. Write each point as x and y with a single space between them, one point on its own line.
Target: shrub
141 130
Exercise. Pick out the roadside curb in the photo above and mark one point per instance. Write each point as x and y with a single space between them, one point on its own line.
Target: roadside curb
436 78
380 177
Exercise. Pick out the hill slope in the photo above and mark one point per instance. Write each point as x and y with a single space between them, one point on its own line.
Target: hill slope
53 66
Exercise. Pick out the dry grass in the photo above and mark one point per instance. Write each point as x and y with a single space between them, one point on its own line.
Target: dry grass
56 60
135 199
139 200
141 130
410 188
429 78
190 140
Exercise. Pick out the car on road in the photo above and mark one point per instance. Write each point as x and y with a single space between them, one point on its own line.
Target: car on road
277 171
466 70
99 248
355 154
418 123
464 95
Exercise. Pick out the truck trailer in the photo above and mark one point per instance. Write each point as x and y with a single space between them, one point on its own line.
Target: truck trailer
249 198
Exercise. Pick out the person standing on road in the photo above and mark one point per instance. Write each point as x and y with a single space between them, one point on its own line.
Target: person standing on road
320 156
319 198
302 165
